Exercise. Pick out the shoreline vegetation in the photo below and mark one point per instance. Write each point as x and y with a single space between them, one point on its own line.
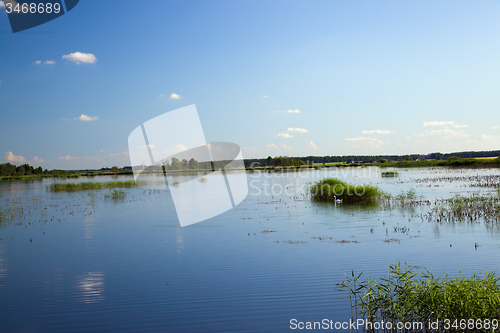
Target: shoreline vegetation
459 304
68 187
277 164
335 190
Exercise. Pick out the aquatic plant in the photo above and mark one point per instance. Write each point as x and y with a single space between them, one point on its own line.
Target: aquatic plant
89 185
116 194
463 208
390 174
331 189
410 195
407 296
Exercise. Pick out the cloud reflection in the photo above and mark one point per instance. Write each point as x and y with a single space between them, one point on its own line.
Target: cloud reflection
91 286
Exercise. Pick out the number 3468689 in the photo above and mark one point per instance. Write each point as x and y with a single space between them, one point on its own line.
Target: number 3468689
33 8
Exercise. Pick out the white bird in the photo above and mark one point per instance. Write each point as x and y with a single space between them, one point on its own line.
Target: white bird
337 200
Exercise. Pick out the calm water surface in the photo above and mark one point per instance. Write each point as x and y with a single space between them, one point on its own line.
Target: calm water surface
78 262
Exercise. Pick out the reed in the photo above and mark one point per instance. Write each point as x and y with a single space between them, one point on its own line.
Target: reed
115 195
467 208
390 174
412 296
330 189
55 187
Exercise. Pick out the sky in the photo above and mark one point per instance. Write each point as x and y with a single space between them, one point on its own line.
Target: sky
294 78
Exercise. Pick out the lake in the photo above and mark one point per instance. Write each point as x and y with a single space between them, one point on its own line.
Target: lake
81 262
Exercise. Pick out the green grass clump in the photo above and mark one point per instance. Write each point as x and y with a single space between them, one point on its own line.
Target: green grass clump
89 186
390 174
471 208
330 189
419 297
115 195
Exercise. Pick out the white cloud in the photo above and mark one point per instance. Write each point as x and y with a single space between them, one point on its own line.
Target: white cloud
287 111
287 147
265 96
438 123
486 137
111 158
13 158
445 133
180 147
175 96
84 117
177 149
146 146
377 131
79 57
312 146
46 62
38 160
283 135
444 123
162 95
69 158
249 149
2 5
271 146
297 130
495 127
366 142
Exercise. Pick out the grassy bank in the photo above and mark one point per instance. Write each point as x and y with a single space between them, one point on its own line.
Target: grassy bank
55 187
406 295
450 162
331 189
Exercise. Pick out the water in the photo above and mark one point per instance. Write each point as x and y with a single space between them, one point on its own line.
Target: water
77 262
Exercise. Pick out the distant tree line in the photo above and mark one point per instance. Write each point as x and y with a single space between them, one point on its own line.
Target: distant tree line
294 161
184 165
8 169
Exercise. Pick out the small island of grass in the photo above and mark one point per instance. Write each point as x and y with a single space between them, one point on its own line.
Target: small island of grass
390 174
55 187
332 190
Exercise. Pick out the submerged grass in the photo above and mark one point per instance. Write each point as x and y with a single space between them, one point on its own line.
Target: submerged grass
390 174
331 189
115 195
89 186
463 208
470 304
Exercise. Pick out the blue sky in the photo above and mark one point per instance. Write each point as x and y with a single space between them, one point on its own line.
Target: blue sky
292 78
